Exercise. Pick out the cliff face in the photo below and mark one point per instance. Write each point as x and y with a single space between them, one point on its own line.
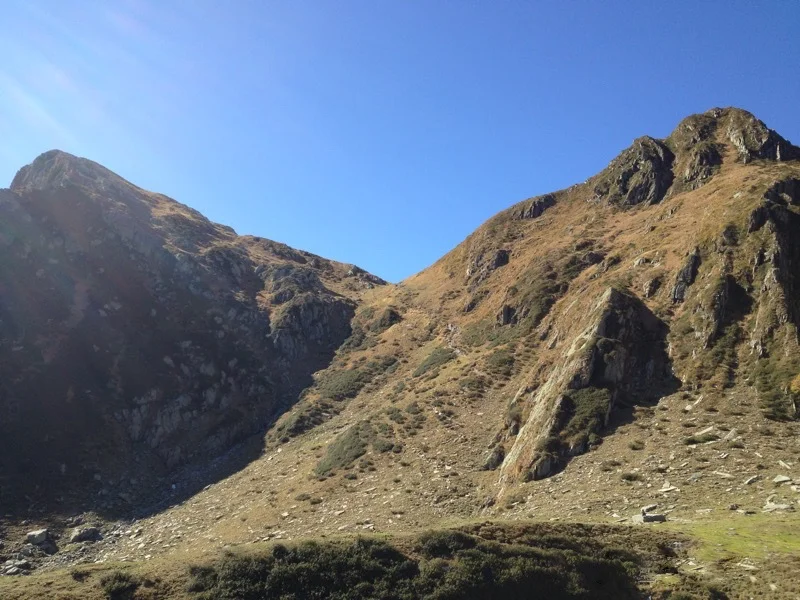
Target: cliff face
137 337
617 353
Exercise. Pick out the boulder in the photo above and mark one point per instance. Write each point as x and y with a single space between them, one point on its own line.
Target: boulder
645 517
84 534
37 537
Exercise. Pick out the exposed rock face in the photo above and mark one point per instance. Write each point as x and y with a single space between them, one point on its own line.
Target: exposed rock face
129 321
698 154
686 276
483 263
535 207
785 191
752 139
652 169
642 174
621 350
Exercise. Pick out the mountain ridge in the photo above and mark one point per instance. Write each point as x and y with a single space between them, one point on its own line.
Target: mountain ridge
628 341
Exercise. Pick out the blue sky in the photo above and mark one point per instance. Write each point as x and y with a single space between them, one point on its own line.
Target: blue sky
375 132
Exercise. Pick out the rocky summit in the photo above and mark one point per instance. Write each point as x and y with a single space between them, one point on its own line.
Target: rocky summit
595 394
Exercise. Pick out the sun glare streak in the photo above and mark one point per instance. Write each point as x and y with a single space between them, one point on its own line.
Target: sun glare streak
30 108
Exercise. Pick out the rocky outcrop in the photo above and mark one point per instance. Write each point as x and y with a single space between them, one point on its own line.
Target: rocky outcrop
642 174
483 262
754 140
686 276
698 154
534 208
137 337
651 169
785 191
620 352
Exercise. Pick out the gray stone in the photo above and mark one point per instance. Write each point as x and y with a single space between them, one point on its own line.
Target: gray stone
648 518
773 506
84 534
37 537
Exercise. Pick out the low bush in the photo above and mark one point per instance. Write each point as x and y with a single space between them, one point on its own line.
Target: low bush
346 448
450 565
340 385
434 360
587 408
119 585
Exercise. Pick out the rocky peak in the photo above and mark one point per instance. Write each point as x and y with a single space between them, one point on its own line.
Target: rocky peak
642 174
56 168
172 338
652 169
752 138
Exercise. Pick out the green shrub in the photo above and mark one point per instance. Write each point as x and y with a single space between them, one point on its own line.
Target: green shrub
382 445
340 385
119 585
501 362
435 359
452 565
587 408
346 448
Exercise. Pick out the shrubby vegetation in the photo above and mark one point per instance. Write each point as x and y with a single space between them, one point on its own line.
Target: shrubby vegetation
354 443
587 408
119 585
434 360
340 385
443 565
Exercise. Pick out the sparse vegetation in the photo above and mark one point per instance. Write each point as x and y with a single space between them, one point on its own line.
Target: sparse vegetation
501 362
340 385
387 318
353 444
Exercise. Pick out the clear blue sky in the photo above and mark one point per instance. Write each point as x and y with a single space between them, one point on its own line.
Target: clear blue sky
376 132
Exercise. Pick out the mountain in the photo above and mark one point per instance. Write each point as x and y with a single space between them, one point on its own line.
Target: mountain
628 342
137 337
